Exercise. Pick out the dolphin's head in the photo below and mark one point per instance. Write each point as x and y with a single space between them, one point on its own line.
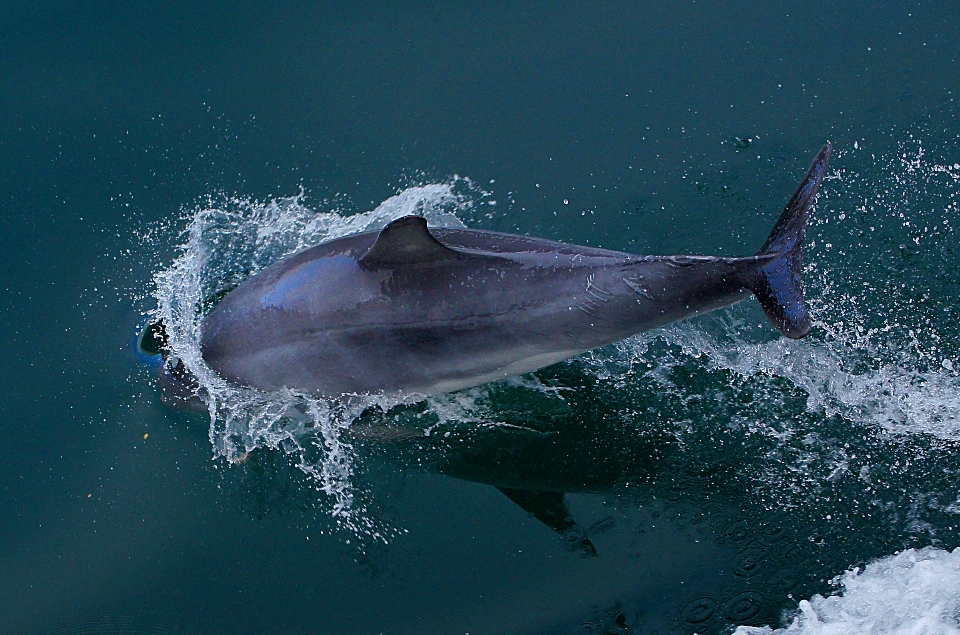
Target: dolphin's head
179 389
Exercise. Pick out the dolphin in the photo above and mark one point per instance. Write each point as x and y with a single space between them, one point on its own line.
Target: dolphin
418 310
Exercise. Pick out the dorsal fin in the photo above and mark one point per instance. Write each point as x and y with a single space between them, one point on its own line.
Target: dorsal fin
406 241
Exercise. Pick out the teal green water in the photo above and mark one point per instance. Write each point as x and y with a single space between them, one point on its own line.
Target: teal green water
714 474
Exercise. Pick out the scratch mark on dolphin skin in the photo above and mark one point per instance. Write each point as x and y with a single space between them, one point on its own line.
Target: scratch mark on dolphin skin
595 296
683 261
636 283
596 291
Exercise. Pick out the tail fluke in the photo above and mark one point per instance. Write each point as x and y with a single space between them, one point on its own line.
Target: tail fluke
777 282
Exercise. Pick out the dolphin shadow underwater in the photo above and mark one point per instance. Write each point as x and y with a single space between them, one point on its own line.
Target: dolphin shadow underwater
585 440
412 310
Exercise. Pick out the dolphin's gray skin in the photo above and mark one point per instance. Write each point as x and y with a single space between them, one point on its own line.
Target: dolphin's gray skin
415 311
409 310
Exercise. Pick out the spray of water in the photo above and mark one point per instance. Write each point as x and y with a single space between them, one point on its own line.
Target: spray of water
880 283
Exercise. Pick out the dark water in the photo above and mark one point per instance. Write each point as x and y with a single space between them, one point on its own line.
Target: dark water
714 474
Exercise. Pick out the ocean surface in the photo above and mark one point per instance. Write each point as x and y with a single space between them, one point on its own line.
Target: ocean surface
717 476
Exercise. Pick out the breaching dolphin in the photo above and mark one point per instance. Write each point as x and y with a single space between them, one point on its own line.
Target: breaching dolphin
418 310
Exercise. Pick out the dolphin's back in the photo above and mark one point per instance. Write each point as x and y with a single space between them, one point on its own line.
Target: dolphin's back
327 322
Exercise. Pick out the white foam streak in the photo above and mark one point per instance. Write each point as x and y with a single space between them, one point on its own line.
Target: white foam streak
895 396
916 592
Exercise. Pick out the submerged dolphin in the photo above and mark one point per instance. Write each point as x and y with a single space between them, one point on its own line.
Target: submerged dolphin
412 310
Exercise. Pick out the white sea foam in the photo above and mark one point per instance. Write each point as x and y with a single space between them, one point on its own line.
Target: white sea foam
916 592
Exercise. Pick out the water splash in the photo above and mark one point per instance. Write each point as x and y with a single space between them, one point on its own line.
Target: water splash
880 282
225 243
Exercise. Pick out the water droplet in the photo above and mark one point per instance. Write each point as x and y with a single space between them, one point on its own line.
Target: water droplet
699 610
744 606
750 562
737 530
